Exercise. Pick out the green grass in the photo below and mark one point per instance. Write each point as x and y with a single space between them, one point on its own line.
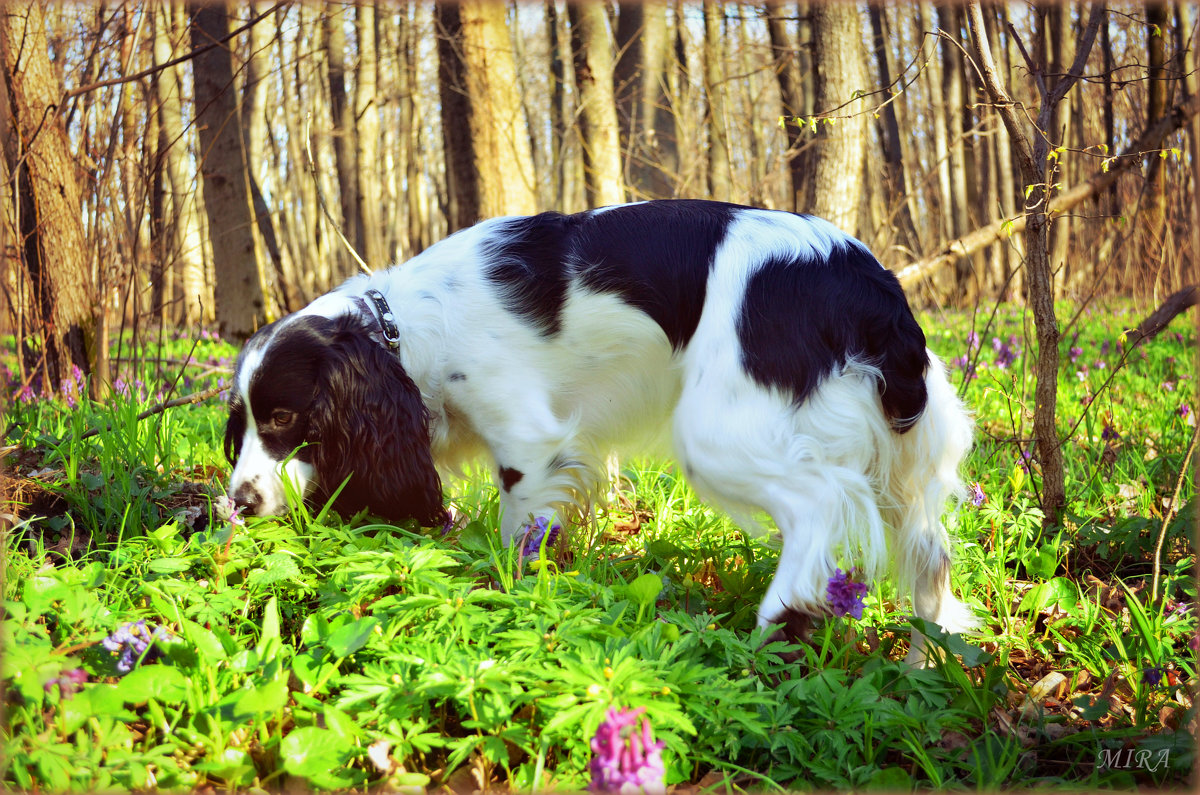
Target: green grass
335 652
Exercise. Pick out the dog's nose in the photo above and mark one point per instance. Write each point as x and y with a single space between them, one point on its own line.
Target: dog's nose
248 499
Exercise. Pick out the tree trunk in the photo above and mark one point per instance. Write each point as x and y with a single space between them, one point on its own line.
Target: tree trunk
254 146
181 245
334 28
896 175
498 127
240 306
1153 227
592 54
835 164
720 177
958 200
643 107
791 96
462 187
368 213
50 237
558 113
1032 159
488 163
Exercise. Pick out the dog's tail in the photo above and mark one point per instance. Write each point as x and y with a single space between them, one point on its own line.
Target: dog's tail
922 480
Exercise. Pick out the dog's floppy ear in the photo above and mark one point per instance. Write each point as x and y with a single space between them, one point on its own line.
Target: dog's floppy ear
235 429
368 423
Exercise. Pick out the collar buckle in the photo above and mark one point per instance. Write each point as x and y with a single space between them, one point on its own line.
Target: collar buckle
387 321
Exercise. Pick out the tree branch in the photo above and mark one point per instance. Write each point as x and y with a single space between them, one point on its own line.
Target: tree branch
968 244
195 397
116 81
1160 318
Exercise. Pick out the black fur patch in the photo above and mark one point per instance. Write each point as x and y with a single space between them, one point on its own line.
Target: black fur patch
285 381
510 477
235 427
801 318
657 256
527 265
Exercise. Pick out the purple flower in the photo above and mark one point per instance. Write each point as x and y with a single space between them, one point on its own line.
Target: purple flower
1105 347
977 495
972 340
120 387
845 595
26 395
68 683
541 528
1169 386
133 641
1184 410
1006 352
1075 353
1152 675
1109 434
625 757
1026 460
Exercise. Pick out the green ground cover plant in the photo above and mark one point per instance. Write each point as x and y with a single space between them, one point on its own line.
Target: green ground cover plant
151 644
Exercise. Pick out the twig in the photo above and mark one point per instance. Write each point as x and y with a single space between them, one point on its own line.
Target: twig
312 169
75 92
195 397
1170 513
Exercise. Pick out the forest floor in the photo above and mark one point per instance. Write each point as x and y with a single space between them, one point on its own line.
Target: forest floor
150 643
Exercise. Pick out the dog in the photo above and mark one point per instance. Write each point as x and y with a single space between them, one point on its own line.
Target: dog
770 353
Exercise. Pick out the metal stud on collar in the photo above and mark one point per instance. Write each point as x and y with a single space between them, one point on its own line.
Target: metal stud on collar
387 321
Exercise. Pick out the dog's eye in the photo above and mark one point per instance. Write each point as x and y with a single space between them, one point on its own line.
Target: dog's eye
281 418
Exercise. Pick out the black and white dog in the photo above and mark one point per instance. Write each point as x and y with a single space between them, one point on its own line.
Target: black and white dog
769 353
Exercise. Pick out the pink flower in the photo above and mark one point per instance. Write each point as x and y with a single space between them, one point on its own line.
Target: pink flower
625 757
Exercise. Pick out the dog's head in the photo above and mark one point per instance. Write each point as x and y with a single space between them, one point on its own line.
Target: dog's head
316 401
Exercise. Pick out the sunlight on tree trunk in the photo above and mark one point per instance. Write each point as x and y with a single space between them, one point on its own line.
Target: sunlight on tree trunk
592 54
834 165
46 201
238 291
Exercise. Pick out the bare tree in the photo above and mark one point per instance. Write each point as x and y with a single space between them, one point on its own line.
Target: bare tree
1031 156
333 24
43 200
488 162
180 246
643 106
368 215
240 305
592 54
834 166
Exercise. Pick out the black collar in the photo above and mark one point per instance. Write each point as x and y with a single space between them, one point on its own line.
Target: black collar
387 321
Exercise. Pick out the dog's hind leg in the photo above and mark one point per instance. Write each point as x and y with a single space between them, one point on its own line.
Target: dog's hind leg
810 467
923 478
